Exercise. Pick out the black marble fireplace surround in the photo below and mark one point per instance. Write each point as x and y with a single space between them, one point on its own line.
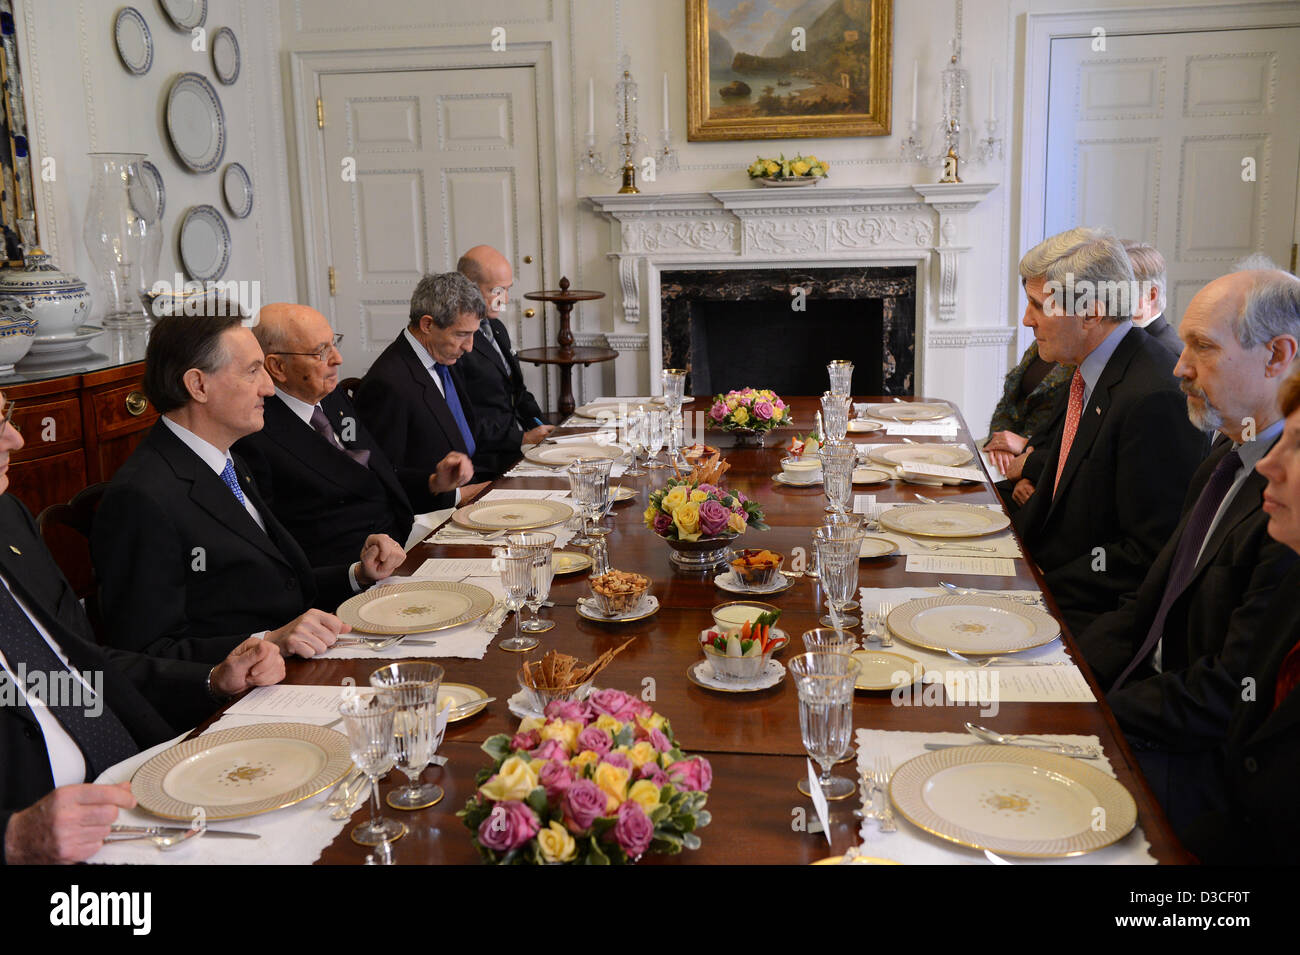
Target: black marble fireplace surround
732 328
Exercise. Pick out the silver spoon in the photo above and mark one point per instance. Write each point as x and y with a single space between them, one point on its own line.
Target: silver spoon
1009 661
1033 742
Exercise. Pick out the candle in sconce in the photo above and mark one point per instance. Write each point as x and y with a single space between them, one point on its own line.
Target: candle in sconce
916 73
591 107
665 126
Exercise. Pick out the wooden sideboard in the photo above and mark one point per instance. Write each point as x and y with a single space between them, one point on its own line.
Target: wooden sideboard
77 429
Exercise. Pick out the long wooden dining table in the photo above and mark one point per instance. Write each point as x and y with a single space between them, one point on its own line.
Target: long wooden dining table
753 739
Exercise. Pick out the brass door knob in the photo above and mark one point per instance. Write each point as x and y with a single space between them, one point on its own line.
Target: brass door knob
136 403
529 313
528 260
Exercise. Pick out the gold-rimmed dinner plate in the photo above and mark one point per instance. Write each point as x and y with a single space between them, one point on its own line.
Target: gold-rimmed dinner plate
863 426
648 607
618 493
569 561
418 606
518 514
459 694
877 547
948 455
882 670
972 624
230 774
944 520
1013 800
659 400
562 455
856 860
871 476
909 411
607 408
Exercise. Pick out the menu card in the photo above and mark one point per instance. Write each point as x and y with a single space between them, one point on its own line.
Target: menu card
940 564
922 429
925 469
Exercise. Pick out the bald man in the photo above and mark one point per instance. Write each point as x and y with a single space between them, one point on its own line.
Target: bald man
322 474
508 416
1175 656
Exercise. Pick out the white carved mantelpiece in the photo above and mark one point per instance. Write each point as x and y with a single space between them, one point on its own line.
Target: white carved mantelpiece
815 226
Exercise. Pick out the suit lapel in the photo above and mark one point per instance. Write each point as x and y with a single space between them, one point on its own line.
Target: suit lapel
341 414
313 449
433 397
489 354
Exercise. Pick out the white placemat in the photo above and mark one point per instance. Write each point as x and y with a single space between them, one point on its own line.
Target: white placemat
910 846
296 835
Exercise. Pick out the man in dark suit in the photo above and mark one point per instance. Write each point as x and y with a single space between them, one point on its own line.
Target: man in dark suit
190 559
1255 782
1149 272
1175 652
313 457
1102 509
508 414
56 733
413 399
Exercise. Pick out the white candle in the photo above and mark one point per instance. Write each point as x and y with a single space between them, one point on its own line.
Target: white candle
916 73
993 107
591 107
665 126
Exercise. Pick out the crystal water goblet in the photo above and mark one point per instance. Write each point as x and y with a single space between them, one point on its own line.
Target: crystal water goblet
411 688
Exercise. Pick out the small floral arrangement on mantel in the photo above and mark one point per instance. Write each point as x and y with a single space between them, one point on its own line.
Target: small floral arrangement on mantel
800 167
750 410
596 782
696 505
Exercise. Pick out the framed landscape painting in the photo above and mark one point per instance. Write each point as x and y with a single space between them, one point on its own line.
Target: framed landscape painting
786 69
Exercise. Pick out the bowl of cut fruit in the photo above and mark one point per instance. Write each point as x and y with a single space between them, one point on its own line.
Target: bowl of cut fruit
756 568
742 654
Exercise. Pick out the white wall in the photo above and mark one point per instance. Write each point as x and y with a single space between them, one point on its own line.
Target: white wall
82 99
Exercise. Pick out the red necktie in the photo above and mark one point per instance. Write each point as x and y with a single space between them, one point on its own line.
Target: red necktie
1073 412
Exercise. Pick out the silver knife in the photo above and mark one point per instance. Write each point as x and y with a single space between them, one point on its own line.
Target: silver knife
175 830
1047 749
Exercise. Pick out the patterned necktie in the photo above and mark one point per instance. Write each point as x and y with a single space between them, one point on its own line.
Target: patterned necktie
1187 551
486 329
1073 411
1288 676
453 403
102 738
228 476
322 424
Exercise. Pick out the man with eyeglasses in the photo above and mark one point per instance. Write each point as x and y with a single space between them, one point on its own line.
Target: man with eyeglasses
508 415
117 702
316 466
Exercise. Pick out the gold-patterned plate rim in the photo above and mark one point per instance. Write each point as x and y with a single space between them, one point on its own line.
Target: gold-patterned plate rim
481 602
893 547
863 426
659 400
857 860
535 454
464 517
588 614
890 520
580 561
592 410
618 493
146 784
899 621
473 711
904 662
891 413
690 675
961 455
906 792
885 476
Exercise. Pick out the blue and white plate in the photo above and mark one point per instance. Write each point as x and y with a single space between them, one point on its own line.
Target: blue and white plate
204 244
186 14
237 187
196 123
225 56
134 41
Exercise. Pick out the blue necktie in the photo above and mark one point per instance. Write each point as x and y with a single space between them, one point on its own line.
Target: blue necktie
453 403
228 475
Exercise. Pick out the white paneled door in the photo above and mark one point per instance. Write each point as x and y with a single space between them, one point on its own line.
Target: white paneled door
1188 141
420 166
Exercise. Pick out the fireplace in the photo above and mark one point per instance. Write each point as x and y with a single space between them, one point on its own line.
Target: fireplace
778 327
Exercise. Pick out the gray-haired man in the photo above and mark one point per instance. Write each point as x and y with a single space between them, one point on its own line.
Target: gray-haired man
413 400
1105 502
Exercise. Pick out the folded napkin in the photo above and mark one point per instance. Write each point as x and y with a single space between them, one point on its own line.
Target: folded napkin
912 846
295 835
425 523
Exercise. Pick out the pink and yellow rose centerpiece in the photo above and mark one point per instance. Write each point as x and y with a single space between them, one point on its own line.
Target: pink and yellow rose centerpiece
686 510
596 782
749 410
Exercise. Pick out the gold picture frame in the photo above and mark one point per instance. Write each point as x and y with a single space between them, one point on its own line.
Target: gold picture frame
849 44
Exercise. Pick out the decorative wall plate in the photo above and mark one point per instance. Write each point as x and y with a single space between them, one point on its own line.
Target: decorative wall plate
134 41
237 188
196 123
186 14
225 56
150 199
204 244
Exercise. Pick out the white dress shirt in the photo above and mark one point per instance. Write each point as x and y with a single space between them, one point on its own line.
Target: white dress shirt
67 764
213 457
426 360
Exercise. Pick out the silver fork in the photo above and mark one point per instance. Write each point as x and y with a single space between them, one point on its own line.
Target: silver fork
880 776
1008 661
880 626
987 550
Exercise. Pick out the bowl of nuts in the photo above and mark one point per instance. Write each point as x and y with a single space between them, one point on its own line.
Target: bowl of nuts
617 592
756 568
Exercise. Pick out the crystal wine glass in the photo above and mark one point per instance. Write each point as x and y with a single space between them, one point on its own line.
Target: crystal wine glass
841 376
839 457
540 545
835 415
656 426
589 485
839 548
824 682
516 571
411 688
636 438
674 386
368 723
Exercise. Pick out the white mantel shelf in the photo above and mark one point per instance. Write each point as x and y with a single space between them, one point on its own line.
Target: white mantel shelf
810 227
